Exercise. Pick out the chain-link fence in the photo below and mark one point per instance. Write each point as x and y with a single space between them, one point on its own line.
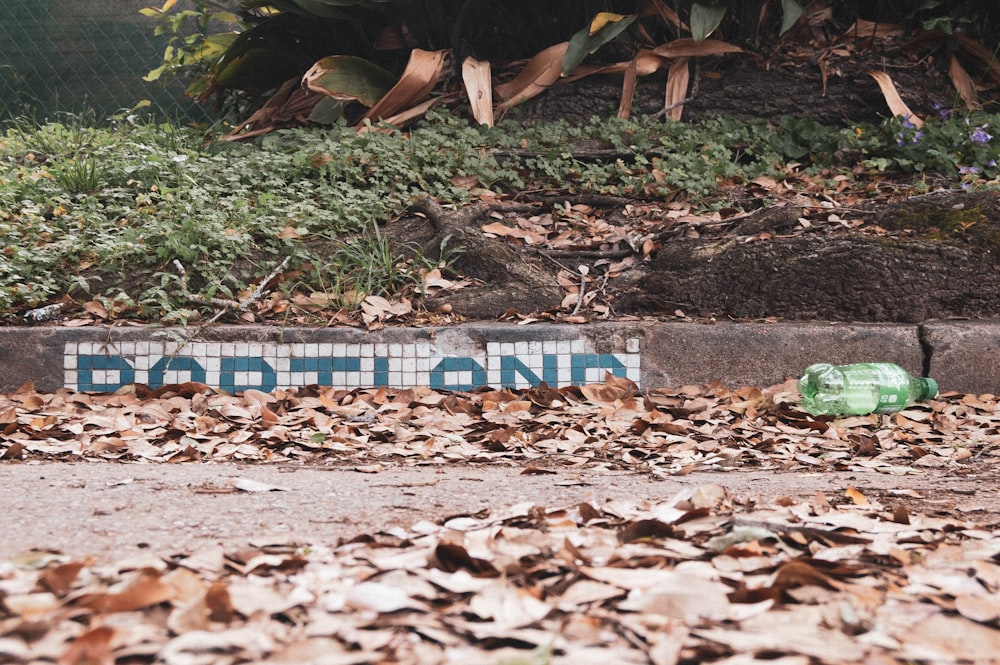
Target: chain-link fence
79 56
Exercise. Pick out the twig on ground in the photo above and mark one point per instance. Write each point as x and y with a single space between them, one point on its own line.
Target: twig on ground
589 253
225 305
583 270
261 289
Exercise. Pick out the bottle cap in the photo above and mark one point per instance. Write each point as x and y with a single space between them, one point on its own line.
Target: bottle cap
930 388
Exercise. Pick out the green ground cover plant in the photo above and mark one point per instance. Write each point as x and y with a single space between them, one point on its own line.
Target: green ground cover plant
154 221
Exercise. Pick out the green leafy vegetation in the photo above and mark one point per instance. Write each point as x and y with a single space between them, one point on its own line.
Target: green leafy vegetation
239 52
153 221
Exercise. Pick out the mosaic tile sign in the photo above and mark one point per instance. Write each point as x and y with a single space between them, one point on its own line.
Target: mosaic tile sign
235 366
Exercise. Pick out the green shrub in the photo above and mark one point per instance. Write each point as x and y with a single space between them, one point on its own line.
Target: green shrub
111 212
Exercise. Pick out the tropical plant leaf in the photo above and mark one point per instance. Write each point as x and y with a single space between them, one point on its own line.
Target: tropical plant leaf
705 20
327 111
319 8
270 53
420 76
542 71
604 28
349 78
478 86
791 11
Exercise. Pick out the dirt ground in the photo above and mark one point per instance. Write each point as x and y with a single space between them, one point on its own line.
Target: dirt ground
111 510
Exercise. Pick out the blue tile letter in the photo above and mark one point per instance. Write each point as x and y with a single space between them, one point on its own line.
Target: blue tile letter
457 365
177 364
227 379
86 364
510 366
581 362
325 367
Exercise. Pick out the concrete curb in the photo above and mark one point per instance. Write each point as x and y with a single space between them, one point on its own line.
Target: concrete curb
963 356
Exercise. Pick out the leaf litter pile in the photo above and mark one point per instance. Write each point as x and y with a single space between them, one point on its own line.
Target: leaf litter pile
704 576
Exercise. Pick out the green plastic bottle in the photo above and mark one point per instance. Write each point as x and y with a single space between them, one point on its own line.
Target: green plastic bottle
860 389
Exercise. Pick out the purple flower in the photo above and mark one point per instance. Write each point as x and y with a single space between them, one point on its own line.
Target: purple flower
992 162
919 135
942 112
906 122
968 170
979 135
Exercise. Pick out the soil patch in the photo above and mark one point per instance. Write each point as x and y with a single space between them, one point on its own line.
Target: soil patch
831 88
928 256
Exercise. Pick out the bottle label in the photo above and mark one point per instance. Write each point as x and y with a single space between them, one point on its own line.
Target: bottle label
891 398
893 388
889 384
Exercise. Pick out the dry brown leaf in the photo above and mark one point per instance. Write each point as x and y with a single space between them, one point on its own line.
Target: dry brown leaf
538 74
145 591
420 76
96 308
864 29
451 557
984 57
628 90
91 648
414 112
857 497
660 8
963 83
896 104
677 85
476 75
795 574
507 606
983 609
290 105
59 579
689 48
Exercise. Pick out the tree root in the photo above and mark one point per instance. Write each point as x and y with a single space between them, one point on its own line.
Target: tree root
514 281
